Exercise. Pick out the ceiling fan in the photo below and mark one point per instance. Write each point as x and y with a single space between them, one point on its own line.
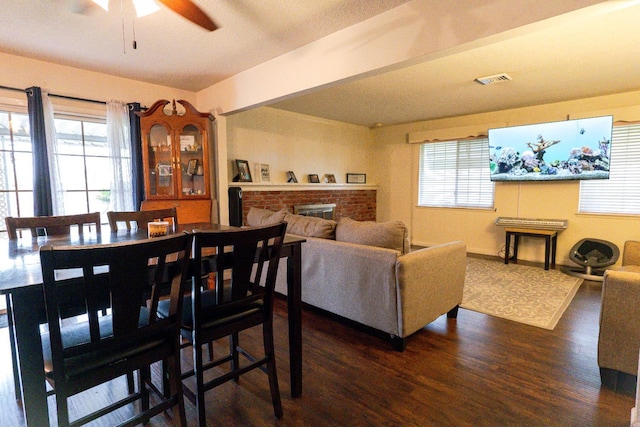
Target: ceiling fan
185 8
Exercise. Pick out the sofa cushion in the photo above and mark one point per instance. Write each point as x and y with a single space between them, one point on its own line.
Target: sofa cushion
310 226
258 217
390 235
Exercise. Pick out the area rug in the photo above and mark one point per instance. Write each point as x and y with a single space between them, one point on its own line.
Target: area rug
521 293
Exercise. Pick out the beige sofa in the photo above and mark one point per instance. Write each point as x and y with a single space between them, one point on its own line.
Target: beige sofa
364 271
619 337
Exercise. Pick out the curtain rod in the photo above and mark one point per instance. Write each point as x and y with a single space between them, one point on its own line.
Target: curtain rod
73 98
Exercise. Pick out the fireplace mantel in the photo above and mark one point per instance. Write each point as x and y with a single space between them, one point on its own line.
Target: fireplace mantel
259 186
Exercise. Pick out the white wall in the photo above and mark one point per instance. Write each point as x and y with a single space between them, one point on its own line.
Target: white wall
397 196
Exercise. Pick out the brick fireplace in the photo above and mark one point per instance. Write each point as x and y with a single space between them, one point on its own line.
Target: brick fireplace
355 204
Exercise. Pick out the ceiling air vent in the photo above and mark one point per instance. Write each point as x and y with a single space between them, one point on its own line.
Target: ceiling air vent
498 78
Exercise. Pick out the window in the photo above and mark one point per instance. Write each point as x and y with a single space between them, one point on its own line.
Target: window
620 194
84 163
455 174
16 166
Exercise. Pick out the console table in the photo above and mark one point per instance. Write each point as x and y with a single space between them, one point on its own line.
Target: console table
551 239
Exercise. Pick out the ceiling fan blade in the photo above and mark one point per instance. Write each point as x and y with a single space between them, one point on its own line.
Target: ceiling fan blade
190 11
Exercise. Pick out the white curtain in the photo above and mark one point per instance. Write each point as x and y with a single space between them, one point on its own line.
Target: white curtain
119 140
57 191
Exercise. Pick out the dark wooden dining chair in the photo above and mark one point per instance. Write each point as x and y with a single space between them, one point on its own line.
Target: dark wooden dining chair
83 354
45 225
141 218
51 225
242 301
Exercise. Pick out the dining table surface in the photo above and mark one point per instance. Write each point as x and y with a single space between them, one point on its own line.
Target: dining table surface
21 282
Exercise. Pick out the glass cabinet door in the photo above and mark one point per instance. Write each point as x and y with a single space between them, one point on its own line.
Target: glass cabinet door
160 168
191 162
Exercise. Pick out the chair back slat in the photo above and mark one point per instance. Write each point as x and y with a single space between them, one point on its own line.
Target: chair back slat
141 218
52 225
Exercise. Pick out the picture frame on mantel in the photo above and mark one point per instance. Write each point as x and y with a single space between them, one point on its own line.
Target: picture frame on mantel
291 177
356 178
330 178
244 172
313 178
265 172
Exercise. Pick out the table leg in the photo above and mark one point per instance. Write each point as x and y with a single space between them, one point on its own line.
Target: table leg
26 303
516 240
294 308
507 245
547 251
14 351
554 242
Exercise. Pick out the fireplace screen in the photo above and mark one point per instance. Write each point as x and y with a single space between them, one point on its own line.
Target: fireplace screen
326 211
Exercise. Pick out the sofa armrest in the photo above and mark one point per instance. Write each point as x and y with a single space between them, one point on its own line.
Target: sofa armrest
619 337
430 283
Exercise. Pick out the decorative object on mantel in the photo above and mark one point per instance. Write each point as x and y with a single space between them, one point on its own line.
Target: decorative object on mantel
256 176
330 178
313 178
291 177
265 172
244 173
356 178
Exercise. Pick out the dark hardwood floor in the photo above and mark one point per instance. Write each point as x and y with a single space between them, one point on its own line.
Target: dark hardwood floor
476 370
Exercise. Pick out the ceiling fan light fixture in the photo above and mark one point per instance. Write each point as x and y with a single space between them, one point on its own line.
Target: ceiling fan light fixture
103 4
145 7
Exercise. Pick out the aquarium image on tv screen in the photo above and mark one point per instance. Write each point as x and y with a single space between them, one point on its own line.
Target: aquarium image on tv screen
566 150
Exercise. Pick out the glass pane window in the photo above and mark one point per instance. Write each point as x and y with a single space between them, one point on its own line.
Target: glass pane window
455 174
85 164
16 170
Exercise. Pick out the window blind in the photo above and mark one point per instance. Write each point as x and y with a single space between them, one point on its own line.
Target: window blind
455 174
620 194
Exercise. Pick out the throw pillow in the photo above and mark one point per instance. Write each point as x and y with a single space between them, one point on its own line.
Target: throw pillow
310 226
390 235
258 217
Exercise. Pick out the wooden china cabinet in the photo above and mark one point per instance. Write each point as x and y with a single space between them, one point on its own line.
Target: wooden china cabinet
178 161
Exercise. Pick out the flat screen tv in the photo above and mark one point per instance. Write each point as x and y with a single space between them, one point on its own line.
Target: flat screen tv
566 150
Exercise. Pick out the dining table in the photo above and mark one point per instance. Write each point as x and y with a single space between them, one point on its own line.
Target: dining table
21 282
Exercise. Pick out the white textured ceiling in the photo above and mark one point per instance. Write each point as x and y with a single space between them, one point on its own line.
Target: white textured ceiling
172 51
577 56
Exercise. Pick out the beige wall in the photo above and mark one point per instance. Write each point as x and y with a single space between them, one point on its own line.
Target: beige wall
304 144
19 72
398 190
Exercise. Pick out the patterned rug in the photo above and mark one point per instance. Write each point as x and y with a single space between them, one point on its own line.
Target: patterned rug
524 294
